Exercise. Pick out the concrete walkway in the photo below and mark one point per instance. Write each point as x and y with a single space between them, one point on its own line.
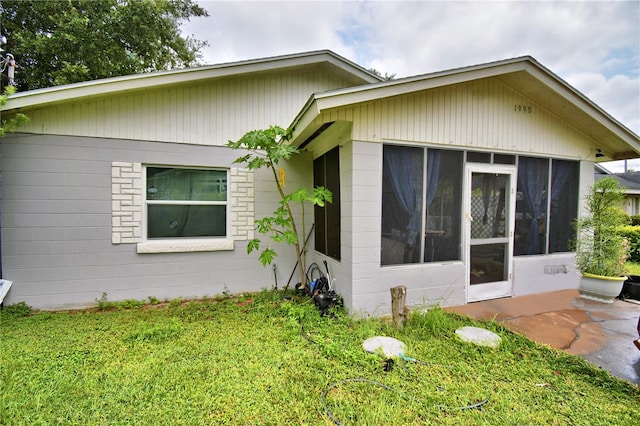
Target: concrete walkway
601 333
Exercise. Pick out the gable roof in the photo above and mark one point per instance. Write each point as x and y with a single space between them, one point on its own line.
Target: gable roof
629 180
109 86
599 169
524 74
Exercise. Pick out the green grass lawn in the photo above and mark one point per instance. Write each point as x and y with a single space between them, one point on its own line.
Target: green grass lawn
247 361
633 268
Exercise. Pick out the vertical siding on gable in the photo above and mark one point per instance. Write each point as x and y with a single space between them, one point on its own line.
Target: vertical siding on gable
201 113
478 114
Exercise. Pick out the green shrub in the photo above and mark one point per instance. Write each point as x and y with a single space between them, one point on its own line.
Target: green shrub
104 305
17 310
632 235
601 249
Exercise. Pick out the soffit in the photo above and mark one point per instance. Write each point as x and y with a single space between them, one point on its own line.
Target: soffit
615 140
327 136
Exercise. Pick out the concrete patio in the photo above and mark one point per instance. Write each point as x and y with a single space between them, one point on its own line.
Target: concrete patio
601 333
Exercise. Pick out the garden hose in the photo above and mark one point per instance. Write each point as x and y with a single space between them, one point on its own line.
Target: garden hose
388 367
337 421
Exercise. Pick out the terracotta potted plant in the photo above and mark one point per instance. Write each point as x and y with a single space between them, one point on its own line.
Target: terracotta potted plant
601 251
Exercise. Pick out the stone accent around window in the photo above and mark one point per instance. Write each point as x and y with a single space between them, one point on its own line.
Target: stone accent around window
242 199
126 203
127 207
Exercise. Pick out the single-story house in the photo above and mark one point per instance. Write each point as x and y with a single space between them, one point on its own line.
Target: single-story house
630 180
460 185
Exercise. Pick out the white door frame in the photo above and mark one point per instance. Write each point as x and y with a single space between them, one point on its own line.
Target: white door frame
497 289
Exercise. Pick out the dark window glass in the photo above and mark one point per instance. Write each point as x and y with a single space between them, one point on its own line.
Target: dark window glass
320 226
504 159
186 184
487 263
478 157
564 204
326 172
444 205
402 204
170 221
186 202
531 206
544 217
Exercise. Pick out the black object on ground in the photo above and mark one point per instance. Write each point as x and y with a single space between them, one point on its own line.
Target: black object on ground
631 288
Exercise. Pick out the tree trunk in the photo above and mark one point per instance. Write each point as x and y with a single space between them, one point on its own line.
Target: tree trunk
398 308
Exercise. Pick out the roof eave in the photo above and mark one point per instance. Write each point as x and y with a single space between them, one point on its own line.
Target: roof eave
387 88
575 97
343 97
108 86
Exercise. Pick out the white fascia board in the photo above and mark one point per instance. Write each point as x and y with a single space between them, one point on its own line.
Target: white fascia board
369 92
306 116
352 68
113 85
343 97
575 97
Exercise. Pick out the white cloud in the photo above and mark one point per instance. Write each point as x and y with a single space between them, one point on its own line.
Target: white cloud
248 30
617 95
595 46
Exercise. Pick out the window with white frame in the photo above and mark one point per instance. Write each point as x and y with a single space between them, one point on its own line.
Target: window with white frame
185 202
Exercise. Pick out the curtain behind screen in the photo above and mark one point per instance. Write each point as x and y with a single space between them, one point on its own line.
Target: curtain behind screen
564 204
444 205
402 189
531 206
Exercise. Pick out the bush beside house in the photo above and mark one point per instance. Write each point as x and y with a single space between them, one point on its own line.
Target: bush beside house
632 234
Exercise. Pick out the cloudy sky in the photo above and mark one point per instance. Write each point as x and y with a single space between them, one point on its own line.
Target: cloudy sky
593 45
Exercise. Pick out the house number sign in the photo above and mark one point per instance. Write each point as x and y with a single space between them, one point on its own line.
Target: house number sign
525 109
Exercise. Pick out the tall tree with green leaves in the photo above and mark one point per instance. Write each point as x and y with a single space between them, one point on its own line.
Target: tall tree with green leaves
8 125
268 148
60 42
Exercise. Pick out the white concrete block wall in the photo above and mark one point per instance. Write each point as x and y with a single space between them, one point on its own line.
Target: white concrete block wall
368 292
537 274
440 283
58 244
57 224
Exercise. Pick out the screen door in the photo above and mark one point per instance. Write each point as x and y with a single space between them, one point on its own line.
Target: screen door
490 206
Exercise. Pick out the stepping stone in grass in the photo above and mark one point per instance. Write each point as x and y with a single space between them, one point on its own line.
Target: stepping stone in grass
479 336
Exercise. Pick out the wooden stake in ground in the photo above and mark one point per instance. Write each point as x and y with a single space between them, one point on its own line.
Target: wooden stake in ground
398 308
